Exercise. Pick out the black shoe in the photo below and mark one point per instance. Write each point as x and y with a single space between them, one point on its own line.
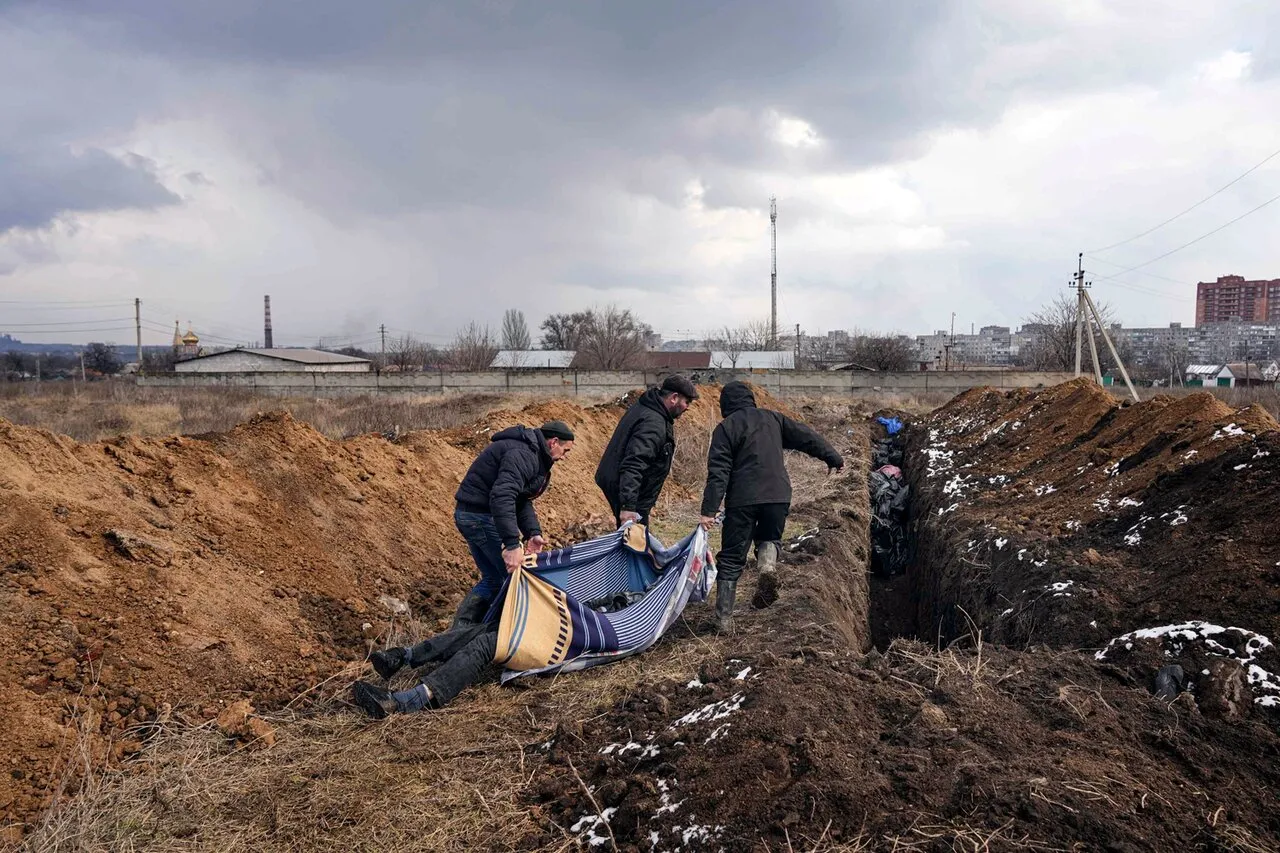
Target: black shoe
375 701
388 663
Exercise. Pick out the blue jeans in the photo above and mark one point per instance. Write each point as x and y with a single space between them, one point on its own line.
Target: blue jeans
486 549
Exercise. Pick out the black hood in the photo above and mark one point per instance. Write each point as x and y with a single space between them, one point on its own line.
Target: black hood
528 435
734 397
653 399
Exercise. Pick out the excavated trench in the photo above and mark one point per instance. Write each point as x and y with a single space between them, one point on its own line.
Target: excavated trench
917 561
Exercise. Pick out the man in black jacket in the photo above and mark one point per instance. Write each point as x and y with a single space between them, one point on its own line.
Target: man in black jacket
636 462
495 505
745 469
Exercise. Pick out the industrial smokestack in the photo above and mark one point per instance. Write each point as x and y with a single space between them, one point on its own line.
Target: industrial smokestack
266 302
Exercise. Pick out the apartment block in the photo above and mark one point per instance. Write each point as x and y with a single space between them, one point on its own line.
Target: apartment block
1232 299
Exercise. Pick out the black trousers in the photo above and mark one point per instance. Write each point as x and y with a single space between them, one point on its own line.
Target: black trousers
744 525
466 652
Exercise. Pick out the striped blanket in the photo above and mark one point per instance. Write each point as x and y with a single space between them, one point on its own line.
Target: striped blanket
548 623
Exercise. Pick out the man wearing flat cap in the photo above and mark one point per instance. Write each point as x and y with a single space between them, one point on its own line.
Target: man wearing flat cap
495 505
638 459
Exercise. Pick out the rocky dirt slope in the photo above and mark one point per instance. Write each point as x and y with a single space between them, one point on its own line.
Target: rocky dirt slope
145 577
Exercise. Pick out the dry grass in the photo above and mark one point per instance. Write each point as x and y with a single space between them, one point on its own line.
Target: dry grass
108 409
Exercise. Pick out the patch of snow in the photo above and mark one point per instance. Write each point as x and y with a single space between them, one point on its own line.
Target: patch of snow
943 510
1021 551
1112 470
1060 588
714 711
1102 504
1006 613
1132 538
667 805
998 480
1241 466
1073 524
742 675
1128 501
1246 647
1190 453
995 430
590 823
1229 430
1000 543
720 730
1261 453
694 685
957 485
1046 489
1093 624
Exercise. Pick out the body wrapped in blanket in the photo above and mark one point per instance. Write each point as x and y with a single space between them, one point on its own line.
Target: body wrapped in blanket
587 604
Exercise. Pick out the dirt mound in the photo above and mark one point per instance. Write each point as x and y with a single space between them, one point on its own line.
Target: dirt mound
146 577
1062 517
799 741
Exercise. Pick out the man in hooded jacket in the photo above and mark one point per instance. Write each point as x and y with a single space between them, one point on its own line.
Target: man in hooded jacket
638 458
746 470
495 505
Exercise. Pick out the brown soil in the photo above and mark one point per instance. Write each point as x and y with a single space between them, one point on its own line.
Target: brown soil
147 577
790 735
976 747
1081 520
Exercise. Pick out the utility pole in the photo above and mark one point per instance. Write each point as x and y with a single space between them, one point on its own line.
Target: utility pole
1097 317
1079 310
950 343
382 329
773 276
82 376
797 343
137 322
37 368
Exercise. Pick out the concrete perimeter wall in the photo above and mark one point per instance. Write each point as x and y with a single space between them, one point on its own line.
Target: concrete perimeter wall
569 383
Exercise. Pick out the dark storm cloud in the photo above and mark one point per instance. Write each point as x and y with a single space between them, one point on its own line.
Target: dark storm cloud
522 136
37 185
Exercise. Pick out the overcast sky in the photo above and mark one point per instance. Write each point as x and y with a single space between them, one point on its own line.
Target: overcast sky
426 164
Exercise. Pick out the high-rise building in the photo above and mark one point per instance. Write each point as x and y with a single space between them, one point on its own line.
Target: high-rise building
1232 298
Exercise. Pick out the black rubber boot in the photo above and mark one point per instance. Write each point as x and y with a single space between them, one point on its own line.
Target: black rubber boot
375 701
726 592
767 583
470 611
389 662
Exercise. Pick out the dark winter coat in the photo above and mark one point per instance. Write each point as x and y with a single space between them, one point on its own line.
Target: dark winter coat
745 464
636 462
505 478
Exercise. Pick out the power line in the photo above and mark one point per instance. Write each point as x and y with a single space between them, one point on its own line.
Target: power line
1191 208
1198 239
69 323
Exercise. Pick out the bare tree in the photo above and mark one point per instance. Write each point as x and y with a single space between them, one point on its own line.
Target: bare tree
1053 346
754 335
515 331
817 353
613 339
565 331
474 348
405 354
881 352
730 342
